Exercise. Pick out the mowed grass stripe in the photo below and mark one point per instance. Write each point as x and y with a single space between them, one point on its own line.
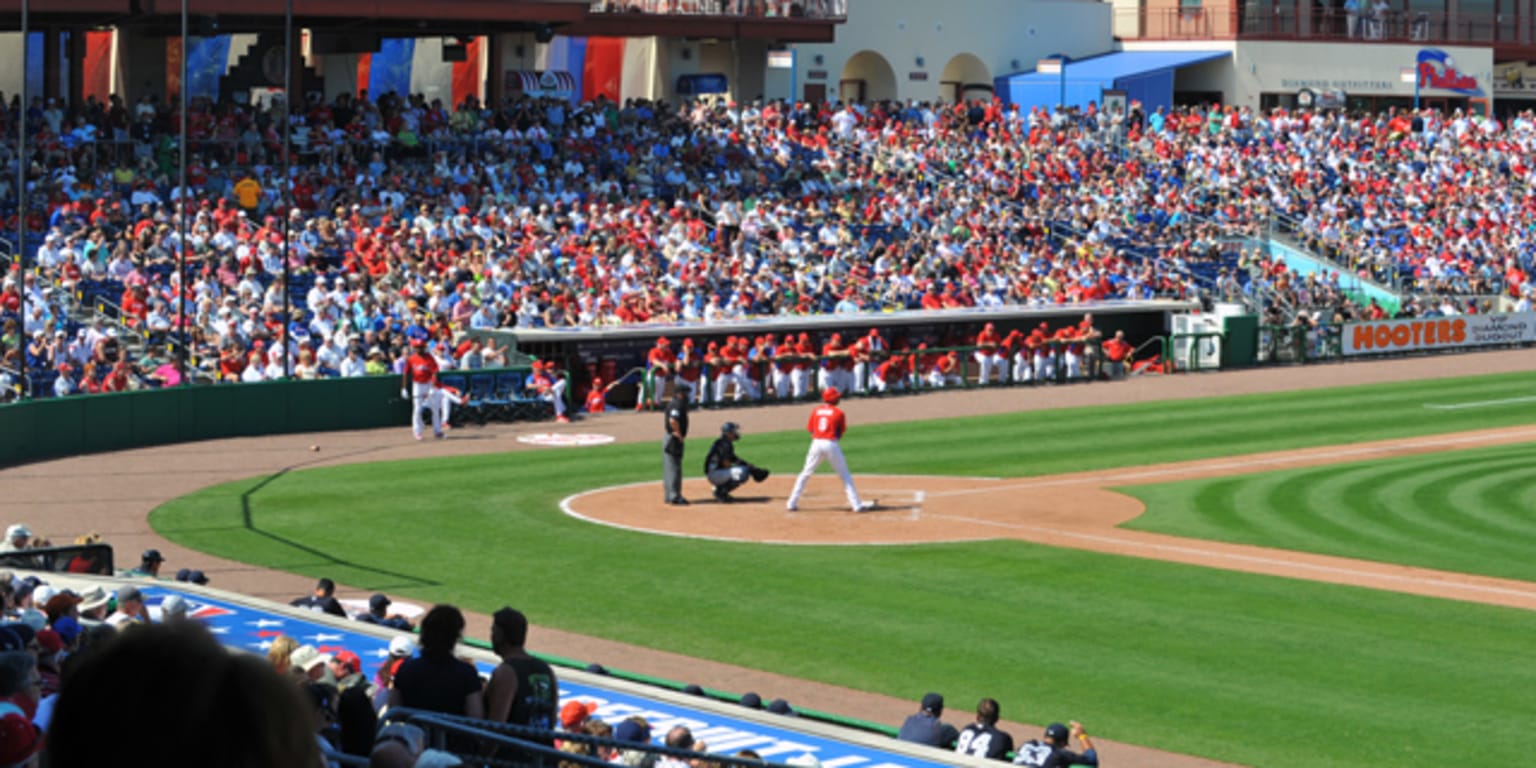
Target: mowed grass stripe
1454 511
1226 665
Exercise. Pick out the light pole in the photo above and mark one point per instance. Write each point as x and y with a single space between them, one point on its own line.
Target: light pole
21 194
183 199
287 203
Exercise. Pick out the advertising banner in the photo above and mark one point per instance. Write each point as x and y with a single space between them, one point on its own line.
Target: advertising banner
1457 332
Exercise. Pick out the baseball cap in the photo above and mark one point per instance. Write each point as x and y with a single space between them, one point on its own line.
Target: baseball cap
632 732
1056 732
830 395
152 555
173 606
933 702
402 645
729 427
68 628
350 659
751 700
19 738
576 712
781 707
50 641
18 530
307 657
379 601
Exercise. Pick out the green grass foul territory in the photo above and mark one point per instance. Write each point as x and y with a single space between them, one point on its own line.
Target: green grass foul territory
1243 668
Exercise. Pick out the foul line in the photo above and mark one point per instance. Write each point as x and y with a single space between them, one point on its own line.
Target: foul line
1202 467
1478 404
1357 577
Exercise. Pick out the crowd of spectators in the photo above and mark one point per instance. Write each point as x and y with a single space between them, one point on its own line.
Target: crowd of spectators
410 218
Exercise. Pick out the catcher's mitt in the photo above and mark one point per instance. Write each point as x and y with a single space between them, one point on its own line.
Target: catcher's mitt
759 474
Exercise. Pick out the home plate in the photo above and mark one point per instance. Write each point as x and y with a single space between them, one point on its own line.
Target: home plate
565 440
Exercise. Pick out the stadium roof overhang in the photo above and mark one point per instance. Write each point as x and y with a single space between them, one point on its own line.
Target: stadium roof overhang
401 17
405 18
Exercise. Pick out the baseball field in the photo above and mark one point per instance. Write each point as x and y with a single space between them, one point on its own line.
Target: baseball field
1218 662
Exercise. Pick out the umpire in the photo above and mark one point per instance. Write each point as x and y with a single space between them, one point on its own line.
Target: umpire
726 471
672 448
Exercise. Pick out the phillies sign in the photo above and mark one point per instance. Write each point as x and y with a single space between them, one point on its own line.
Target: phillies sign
1437 70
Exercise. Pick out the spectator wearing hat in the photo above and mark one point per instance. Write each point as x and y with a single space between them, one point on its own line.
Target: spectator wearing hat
130 608
522 689
20 695
925 727
17 537
347 668
314 664
398 745
378 613
173 609
575 714
93 605
634 730
323 599
400 649
1051 750
149 564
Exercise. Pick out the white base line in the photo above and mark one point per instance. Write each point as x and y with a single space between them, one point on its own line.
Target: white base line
1248 463
1478 404
1362 576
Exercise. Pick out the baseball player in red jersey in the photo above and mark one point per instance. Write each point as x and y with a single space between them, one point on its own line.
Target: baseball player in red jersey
805 354
989 355
827 425
690 369
783 367
419 382
832 355
551 387
663 363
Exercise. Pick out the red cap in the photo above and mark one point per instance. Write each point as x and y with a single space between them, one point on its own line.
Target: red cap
831 395
350 659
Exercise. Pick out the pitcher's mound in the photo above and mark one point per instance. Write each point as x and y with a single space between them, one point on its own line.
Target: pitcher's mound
910 509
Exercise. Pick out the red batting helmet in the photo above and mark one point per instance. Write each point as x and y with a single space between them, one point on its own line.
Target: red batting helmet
830 395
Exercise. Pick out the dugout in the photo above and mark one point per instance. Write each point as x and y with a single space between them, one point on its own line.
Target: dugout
612 351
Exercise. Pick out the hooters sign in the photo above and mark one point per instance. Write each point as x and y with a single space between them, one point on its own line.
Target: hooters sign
1457 332
1438 70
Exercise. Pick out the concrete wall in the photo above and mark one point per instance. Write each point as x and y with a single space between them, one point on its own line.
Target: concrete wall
1287 67
1005 36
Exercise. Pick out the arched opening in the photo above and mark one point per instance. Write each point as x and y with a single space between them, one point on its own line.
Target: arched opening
867 77
964 78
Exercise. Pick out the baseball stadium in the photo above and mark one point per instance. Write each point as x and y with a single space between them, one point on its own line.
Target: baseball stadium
567 383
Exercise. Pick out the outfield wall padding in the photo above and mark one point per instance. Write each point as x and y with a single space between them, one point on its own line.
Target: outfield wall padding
68 426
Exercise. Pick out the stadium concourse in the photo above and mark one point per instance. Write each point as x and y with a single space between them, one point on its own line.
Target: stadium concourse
418 219
113 493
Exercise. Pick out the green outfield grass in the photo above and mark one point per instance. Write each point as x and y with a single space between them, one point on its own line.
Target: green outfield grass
1243 668
1472 511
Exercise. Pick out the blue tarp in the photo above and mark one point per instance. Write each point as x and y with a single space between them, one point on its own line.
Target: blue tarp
1145 76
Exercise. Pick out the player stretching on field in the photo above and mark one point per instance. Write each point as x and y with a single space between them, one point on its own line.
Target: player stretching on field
827 426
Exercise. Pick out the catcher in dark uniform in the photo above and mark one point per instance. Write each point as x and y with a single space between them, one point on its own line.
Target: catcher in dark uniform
727 471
